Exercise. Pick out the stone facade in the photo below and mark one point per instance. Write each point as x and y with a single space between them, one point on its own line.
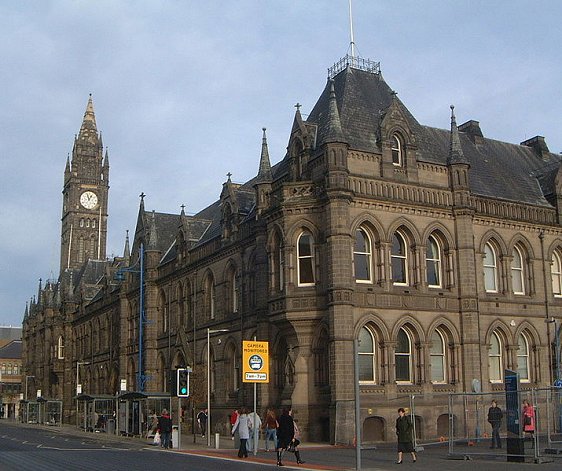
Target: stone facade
440 251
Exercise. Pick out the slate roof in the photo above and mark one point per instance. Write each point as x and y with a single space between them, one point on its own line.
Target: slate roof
497 169
11 350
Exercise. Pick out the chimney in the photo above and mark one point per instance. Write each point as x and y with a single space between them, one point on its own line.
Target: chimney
472 129
538 144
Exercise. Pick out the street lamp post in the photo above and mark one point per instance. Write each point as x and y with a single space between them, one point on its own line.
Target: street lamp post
209 332
78 364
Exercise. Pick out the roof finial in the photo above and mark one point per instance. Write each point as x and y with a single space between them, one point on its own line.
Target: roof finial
264 171
351 40
456 154
229 175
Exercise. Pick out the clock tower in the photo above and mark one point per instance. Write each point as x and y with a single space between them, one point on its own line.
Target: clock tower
84 197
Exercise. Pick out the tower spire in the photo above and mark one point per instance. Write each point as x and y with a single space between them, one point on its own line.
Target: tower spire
264 172
334 133
456 155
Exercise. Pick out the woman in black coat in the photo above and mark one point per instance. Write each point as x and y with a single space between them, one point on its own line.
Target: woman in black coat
285 433
405 434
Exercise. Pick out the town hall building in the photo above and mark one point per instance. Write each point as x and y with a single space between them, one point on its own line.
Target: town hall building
438 250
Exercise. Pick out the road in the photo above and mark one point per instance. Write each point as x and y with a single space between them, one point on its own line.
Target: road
35 449
27 447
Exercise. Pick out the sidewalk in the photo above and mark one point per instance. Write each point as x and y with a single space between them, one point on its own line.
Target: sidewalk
327 457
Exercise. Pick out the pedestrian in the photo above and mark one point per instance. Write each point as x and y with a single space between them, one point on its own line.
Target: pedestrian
528 418
270 425
235 437
405 434
296 441
242 426
165 429
153 427
254 432
285 434
202 421
495 416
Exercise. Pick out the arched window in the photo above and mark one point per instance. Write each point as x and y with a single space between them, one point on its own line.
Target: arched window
403 357
322 360
490 269
437 358
305 255
397 151
399 259
433 263
362 257
367 356
495 359
233 371
60 348
556 273
232 287
523 367
210 297
517 272
278 264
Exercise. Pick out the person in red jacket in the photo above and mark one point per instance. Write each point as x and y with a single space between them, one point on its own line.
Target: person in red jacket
528 418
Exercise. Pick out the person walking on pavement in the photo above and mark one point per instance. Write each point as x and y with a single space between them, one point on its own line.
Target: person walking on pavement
270 424
202 421
528 418
165 428
243 425
235 438
495 416
256 428
404 432
296 441
285 434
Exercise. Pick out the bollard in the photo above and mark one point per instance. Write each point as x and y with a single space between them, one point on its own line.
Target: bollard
217 440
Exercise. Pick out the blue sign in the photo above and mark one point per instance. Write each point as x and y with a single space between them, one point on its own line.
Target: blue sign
256 362
558 383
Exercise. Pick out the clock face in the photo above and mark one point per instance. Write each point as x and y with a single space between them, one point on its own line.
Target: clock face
88 199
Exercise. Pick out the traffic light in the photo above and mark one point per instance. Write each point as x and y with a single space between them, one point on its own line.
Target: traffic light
182 382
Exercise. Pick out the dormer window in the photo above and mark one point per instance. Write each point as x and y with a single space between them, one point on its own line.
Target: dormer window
397 151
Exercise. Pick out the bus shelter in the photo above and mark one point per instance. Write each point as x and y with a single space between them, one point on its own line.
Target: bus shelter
50 411
96 413
29 412
138 410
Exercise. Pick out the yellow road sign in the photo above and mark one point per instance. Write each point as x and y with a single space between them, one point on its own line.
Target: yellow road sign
255 359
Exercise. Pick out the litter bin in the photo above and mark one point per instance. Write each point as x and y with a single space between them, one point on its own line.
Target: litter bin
175 436
111 426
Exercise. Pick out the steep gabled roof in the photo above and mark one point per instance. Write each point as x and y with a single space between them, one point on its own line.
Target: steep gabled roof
497 169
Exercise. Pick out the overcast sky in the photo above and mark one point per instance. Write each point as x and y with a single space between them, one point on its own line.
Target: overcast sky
181 90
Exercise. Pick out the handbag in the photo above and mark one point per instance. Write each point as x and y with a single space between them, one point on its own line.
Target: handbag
527 420
292 447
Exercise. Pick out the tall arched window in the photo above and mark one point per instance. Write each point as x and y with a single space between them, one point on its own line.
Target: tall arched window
232 287
437 358
495 360
517 271
362 257
397 151
399 259
210 297
305 255
367 356
403 357
60 348
556 273
490 269
278 264
523 367
433 263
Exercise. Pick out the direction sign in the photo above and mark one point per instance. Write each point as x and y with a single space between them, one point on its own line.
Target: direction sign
255 359
558 383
